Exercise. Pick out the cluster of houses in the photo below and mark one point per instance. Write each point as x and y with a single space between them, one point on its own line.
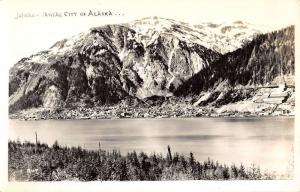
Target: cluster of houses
276 97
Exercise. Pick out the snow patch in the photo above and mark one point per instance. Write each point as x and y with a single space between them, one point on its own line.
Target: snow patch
203 98
52 98
197 62
90 71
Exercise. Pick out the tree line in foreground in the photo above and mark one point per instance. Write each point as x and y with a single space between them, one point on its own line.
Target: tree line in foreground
39 162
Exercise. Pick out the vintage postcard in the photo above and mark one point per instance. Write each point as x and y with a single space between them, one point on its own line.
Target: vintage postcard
108 94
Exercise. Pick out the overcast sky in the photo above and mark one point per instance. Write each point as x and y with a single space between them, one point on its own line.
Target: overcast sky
30 35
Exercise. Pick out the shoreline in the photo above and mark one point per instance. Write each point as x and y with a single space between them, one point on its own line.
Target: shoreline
153 112
215 116
172 118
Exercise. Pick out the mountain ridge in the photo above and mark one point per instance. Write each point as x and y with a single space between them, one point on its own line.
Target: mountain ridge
114 63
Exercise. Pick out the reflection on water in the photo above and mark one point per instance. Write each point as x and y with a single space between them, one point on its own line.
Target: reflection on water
266 142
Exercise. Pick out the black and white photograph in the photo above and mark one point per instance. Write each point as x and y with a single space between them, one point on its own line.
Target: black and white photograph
137 91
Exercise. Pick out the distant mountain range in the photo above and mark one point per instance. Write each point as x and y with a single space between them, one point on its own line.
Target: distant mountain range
152 57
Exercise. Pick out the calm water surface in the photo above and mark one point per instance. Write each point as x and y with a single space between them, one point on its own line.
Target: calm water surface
267 142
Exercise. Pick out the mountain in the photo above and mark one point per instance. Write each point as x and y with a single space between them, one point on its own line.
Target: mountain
147 58
219 37
248 73
268 59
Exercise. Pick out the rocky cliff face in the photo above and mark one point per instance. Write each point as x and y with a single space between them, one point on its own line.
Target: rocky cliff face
150 57
104 66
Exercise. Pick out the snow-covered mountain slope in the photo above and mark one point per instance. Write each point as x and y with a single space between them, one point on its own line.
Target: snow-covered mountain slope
220 37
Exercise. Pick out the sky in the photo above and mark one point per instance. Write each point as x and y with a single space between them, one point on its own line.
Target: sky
26 36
